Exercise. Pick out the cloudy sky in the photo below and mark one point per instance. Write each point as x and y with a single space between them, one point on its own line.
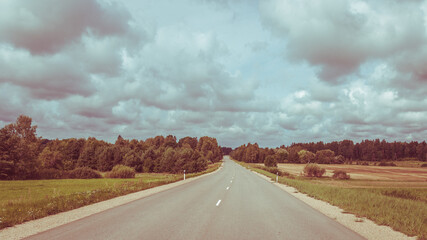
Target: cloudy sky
270 71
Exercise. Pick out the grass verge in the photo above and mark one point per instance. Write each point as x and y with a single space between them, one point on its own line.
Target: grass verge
403 209
22 201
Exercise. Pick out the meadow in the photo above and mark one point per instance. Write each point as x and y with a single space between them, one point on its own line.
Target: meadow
399 173
395 202
21 201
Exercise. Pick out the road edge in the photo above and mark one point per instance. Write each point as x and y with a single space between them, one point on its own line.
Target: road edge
36 226
363 226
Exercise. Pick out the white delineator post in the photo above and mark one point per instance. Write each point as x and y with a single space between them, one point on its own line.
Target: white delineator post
277 177
184 174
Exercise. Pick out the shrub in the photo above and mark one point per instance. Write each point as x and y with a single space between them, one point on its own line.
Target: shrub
424 165
270 161
313 170
274 170
84 173
387 164
121 171
340 174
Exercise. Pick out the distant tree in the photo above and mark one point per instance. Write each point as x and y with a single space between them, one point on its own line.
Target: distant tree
251 153
306 156
338 159
190 141
325 156
51 159
170 141
8 152
207 144
422 151
19 148
133 159
293 154
183 155
282 155
148 158
90 153
121 141
168 159
226 150
109 156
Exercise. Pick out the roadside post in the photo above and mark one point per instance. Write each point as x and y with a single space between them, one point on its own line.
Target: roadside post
184 174
277 177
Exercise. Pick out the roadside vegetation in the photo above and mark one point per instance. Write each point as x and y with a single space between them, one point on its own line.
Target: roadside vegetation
402 208
24 200
367 152
25 156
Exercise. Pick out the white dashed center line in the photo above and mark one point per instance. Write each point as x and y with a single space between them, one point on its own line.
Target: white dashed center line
228 188
219 201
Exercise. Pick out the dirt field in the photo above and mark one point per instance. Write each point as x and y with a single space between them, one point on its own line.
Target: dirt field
366 172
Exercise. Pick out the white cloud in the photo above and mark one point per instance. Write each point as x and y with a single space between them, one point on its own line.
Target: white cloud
339 36
332 70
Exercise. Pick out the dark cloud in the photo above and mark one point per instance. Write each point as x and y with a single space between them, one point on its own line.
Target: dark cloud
59 50
46 77
44 27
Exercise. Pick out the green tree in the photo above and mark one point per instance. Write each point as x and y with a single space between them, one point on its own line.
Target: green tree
89 154
293 154
167 161
325 156
19 148
306 156
281 155
133 159
51 159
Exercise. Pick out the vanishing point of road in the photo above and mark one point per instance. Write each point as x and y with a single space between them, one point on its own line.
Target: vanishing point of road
232 203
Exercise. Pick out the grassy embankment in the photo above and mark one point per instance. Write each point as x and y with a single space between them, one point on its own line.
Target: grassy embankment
21 201
403 208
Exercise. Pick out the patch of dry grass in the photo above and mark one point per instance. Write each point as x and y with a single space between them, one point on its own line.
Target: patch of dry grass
362 172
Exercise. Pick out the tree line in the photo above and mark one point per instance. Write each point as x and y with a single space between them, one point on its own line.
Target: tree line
23 155
334 152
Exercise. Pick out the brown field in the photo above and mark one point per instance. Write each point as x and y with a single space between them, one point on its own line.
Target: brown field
370 176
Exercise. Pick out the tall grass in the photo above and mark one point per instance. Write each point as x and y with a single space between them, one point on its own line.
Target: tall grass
21 201
404 210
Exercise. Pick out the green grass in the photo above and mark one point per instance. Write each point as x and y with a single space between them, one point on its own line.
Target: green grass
21 201
403 209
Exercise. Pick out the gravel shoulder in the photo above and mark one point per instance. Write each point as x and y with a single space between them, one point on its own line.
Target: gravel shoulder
362 226
43 224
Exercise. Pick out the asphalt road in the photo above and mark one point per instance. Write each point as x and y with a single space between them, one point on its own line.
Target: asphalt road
233 203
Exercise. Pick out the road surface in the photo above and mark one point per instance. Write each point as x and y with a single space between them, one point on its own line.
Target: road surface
233 203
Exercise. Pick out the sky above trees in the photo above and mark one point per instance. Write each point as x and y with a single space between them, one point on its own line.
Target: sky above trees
272 72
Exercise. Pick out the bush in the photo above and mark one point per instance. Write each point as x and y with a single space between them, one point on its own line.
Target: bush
424 165
121 171
340 174
274 170
313 170
270 161
387 164
84 173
